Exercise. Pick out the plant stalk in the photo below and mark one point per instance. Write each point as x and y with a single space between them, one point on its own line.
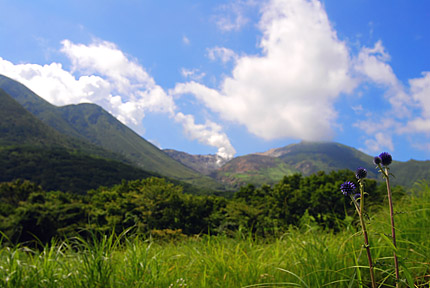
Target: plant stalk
366 239
393 229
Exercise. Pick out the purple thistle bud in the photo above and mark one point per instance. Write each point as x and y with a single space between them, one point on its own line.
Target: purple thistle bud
361 173
386 158
347 188
377 160
357 195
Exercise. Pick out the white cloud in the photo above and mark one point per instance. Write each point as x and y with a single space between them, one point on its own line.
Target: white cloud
104 58
380 142
420 93
209 133
376 123
55 84
420 90
400 117
112 80
186 40
233 16
290 90
193 74
417 125
108 78
371 63
222 53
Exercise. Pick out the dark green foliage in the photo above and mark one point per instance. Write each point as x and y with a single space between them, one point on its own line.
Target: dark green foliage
154 205
408 173
61 169
284 204
33 214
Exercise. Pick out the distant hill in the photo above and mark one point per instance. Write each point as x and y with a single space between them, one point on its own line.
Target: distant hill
205 164
310 157
90 123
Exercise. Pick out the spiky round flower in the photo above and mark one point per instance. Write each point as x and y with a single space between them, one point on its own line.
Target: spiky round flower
386 158
377 160
347 188
361 173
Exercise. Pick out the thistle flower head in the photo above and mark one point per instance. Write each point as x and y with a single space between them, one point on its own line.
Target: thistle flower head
361 173
377 160
386 158
347 188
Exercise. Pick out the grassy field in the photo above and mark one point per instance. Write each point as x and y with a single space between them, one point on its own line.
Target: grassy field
303 257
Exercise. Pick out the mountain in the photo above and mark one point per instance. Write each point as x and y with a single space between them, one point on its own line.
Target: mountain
310 157
92 124
17 125
205 164
29 149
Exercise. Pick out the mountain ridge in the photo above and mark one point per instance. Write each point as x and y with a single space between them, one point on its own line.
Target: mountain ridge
307 158
92 124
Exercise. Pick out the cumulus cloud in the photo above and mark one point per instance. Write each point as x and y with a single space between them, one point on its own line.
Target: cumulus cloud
289 90
55 84
108 78
104 58
114 81
209 133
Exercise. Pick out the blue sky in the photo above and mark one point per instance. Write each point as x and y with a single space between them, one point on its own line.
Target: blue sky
234 77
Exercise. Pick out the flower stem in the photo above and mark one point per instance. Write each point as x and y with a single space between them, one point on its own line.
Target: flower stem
363 227
393 229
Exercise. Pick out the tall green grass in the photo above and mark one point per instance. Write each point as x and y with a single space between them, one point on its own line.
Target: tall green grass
303 257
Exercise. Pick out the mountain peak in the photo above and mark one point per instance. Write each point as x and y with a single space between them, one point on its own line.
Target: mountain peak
205 164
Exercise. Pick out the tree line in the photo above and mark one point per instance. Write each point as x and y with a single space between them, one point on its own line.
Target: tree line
156 206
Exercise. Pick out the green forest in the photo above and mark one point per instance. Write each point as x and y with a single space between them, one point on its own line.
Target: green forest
154 205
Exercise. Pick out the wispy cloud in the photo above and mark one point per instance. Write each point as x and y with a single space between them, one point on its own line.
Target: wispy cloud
193 74
233 16
407 110
222 53
186 40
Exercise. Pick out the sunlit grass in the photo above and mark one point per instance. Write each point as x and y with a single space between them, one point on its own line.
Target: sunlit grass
303 257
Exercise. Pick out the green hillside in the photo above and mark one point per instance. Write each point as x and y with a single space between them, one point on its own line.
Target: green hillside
17 125
91 123
311 157
254 169
29 149
308 158
57 168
